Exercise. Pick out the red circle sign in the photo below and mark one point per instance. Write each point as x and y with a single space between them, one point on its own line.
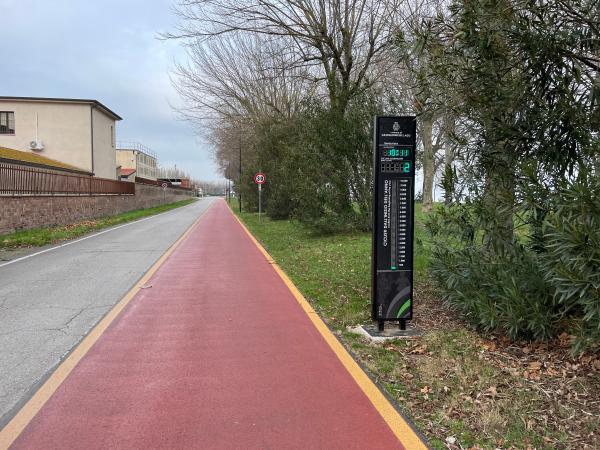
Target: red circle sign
260 178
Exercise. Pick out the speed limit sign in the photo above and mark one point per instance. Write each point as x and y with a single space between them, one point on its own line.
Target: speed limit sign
260 178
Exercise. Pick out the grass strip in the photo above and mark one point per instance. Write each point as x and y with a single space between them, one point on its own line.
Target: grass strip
38 237
446 381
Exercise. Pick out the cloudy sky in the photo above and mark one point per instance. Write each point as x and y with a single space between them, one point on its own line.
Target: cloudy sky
105 50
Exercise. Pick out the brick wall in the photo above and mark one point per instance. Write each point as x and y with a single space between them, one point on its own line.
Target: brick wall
19 213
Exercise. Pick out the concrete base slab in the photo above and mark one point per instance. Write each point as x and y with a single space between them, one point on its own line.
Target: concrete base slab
390 332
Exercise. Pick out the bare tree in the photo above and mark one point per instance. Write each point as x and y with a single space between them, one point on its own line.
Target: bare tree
211 187
338 40
419 93
251 59
239 76
225 100
172 172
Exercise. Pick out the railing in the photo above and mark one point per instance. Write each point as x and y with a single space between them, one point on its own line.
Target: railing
133 145
17 180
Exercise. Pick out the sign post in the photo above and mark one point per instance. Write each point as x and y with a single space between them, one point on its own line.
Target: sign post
393 219
164 189
260 179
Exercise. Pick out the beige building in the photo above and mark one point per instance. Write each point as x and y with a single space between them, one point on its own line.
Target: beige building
136 160
80 133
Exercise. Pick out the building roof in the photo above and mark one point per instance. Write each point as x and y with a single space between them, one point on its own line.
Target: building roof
127 172
33 159
94 103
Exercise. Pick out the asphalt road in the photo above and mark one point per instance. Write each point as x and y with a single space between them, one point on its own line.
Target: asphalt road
50 301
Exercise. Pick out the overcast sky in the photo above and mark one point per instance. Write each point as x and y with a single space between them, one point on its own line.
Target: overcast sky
105 50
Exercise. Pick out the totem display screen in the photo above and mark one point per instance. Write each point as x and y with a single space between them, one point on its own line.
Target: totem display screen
393 219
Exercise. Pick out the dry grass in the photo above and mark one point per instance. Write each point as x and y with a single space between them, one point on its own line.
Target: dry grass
467 390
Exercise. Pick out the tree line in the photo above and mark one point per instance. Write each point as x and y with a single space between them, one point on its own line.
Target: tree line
507 95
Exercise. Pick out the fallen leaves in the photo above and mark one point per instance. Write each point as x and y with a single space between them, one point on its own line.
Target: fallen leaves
486 384
533 371
489 346
418 350
531 375
565 340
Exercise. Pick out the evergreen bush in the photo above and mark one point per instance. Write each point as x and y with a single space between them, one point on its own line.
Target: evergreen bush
525 291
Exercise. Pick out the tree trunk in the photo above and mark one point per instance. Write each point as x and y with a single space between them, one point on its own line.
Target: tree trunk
428 161
448 160
499 198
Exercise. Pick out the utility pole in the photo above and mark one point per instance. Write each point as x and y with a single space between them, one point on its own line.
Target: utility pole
227 186
240 174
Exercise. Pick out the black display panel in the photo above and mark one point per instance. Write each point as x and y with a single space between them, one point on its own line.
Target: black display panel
393 218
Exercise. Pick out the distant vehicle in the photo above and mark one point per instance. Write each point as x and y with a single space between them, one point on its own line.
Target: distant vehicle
170 181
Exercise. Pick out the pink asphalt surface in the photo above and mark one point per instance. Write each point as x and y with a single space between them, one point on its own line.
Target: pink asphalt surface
217 354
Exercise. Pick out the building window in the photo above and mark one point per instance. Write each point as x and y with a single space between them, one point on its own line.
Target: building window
7 122
112 136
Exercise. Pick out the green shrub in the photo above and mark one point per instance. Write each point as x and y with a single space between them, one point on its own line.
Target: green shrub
318 166
572 261
495 290
522 290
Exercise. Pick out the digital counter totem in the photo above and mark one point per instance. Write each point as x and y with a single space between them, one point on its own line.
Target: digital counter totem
393 219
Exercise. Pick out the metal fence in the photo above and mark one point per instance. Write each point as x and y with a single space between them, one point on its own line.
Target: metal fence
17 180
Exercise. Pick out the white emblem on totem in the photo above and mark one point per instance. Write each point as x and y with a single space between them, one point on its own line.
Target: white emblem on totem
396 126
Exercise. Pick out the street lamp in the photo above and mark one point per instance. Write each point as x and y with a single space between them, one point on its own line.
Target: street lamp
229 181
227 185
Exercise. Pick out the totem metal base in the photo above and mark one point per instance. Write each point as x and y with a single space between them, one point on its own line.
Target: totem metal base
391 331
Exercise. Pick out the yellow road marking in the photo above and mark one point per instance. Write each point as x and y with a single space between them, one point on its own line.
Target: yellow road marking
401 429
15 427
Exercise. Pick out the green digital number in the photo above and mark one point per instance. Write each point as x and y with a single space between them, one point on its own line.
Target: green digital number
406 167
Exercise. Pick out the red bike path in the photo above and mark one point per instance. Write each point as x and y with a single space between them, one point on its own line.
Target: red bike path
216 354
